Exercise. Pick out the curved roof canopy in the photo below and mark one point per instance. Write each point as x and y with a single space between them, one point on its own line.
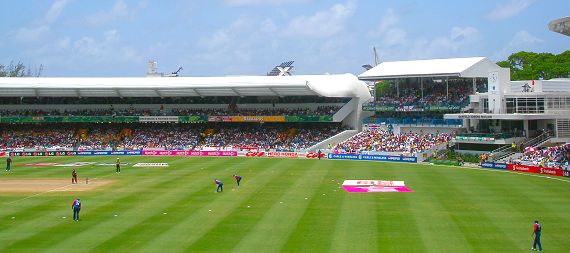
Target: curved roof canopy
561 25
346 85
459 67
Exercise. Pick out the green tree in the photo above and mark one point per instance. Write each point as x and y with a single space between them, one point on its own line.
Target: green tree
531 65
19 70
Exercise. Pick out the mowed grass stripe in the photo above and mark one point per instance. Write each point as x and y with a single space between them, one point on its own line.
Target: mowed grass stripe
542 200
201 221
48 229
355 230
470 213
268 212
281 218
320 216
433 218
177 202
396 228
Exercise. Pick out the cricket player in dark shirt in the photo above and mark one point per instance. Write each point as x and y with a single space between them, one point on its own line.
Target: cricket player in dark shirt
76 207
118 163
8 163
74 177
237 178
219 185
536 232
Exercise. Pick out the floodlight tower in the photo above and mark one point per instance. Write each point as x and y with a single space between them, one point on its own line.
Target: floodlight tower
283 69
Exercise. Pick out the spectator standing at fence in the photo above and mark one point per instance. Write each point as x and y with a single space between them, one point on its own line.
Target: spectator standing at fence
514 146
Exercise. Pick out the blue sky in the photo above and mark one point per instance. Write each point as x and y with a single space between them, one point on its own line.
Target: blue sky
243 37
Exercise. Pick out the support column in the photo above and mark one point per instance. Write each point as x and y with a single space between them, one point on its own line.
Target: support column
474 85
422 86
525 128
397 87
447 87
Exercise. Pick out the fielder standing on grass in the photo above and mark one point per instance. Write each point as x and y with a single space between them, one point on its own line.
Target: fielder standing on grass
76 207
536 232
219 185
118 163
237 178
8 163
74 177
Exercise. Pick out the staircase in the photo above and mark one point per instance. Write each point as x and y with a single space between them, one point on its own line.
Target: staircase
505 152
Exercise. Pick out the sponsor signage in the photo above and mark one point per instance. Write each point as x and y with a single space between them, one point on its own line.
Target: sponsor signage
43 153
344 156
257 118
492 165
255 154
52 119
108 152
536 169
150 165
283 154
191 119
158 119
374 186
392 158
474 116
566 173
311 155
187 153
219 119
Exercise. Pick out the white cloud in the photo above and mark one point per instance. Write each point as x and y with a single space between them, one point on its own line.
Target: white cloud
31 34
322 24
42 27
389 30
509 9
261 2
55 10
457 42
118 11
521 40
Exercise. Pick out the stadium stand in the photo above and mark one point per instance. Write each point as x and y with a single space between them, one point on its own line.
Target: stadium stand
207 136
386 141
551 157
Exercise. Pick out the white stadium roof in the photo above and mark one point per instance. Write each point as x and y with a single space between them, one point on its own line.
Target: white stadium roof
460 67
345 85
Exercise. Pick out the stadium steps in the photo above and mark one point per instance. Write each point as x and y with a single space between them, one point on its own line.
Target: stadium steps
338 138
538 141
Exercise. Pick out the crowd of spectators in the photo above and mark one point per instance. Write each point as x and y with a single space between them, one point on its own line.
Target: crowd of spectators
433 94
380 140
207 136
551 157
275 137
234 111
29 136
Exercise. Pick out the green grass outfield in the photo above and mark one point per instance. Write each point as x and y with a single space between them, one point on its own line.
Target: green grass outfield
283 205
